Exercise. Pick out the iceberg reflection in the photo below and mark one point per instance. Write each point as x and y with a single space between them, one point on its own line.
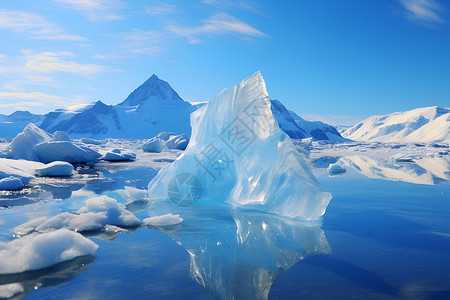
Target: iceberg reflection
237 254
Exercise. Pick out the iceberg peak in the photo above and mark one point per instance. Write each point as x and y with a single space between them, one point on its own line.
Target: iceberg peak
238 155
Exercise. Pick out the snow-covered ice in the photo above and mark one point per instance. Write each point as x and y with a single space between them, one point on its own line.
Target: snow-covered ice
155 145
163 220
61 136
56 168
23 145
19 168
10 183
39 251
90 141
239 155
119 155
65 151
95 215
166 140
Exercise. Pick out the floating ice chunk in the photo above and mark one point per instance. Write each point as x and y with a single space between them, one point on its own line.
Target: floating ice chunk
179 142
239 155
336 169
164 220
9 290
10 183
37 251
119 155
154 145
98 212
90 141
61 136
29 226
56 168
23 145
22 169
65 151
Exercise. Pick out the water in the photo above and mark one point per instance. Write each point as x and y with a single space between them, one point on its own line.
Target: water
379 239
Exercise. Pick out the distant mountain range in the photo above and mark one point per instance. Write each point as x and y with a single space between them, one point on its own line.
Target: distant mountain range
428 124
152 108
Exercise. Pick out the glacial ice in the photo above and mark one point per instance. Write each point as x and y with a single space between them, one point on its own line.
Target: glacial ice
38 251
237 154
65 151
336 169
10 183
61 136
90 141
23 145
166 140
155 145
18 168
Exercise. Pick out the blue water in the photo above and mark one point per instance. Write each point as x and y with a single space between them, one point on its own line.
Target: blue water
379 239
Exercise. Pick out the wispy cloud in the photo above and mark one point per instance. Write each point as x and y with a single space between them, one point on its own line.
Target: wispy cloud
22 99
219 24
96 10
2 57
49 62
247 5
163 9
147 42
33 25
423 10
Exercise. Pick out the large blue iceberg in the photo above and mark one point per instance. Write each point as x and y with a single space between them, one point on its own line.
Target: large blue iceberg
238 155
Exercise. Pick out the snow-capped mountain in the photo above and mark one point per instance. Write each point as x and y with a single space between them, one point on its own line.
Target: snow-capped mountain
426 124
150 109
11 125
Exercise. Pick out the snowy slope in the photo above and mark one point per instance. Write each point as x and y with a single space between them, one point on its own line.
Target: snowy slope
150 109
13 124
317 130
418 125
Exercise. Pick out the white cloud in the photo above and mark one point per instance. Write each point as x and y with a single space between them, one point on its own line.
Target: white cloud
34 25
423 10
162 9
49 62
219 24
38 99
96 10
147 42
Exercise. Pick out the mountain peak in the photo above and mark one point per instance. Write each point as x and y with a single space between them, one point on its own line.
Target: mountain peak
153 90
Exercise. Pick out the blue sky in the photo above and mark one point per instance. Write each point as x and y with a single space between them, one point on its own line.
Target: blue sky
336 61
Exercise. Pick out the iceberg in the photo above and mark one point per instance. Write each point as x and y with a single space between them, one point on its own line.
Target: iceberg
238 155
166 140
38 251
23 145
65 151
56 168
10 183
119 155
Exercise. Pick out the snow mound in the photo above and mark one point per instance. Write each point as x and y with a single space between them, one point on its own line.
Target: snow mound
98 212
119 155
23 145
56 168
179 142
336 169
90 141
239 155
155 145
164 220
10 183
39 251
65 151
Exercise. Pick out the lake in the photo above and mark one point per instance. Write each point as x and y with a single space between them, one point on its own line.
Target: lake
385 235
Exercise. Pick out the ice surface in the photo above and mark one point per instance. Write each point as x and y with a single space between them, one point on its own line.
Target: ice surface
239 155
164 220
56 168
23 145
336 169
39 251
155 145
65 151
179 142
22 169
98 212
119 155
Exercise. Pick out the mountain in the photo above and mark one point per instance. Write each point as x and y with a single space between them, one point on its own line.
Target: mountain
13 124
428 124
316 130
150 109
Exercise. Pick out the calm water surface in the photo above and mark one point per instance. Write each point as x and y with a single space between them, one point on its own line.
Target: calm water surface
379 239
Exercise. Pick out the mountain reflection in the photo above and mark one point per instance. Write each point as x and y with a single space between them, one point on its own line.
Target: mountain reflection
425 170
238 254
